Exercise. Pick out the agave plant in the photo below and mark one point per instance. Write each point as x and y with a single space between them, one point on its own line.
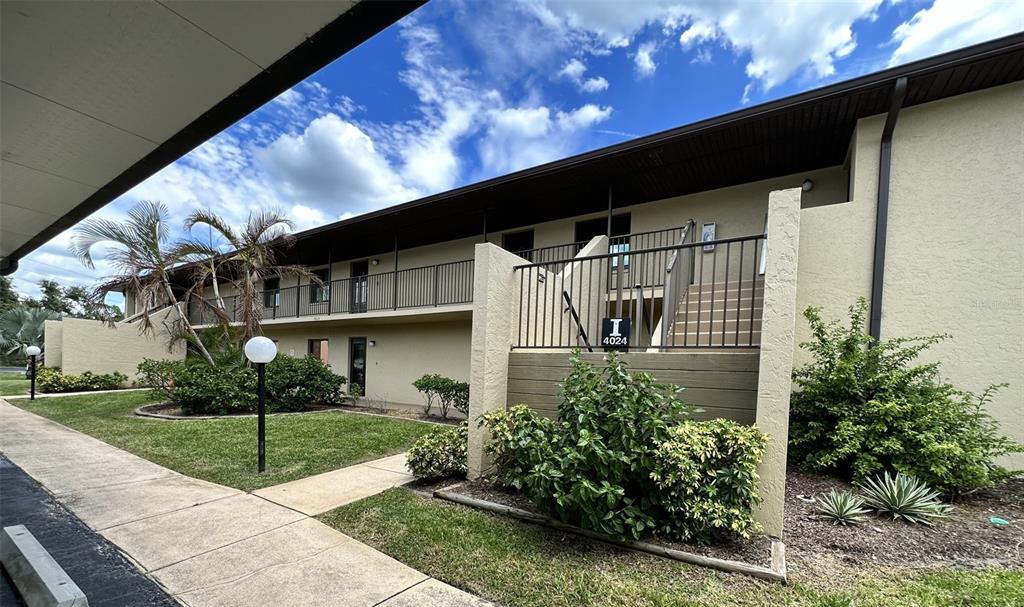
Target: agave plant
904 497
841 507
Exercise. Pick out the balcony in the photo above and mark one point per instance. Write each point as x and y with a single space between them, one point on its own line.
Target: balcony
423 287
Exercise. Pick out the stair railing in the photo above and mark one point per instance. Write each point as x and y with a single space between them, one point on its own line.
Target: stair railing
678 276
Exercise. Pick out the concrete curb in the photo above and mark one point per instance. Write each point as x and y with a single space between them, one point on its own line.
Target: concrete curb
40 580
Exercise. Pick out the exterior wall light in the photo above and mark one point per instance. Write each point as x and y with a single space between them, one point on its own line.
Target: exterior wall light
374 262
260 350
373 343
33 352
807 185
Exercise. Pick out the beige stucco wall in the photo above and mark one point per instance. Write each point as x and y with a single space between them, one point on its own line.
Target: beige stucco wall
53 343
955 259
403 352
775 368
91 345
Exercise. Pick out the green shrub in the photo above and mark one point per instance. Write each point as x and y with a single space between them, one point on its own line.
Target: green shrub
861 409
440 453
444 391
624 459
428 386
51 379
904 497
202 389
159 375
294 383
707 477
841 507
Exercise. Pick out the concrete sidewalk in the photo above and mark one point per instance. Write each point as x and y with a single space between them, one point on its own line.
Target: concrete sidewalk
208 544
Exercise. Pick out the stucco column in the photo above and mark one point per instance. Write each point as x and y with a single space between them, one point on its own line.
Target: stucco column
775 370
495 295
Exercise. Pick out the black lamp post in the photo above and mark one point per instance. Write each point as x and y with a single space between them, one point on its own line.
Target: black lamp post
33 352
260 350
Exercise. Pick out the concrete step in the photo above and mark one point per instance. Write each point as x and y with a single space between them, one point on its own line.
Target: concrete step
745 338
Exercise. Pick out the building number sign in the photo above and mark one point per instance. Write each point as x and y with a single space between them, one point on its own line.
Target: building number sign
615 333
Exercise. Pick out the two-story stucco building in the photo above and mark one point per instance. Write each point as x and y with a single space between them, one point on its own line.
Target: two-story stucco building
705 241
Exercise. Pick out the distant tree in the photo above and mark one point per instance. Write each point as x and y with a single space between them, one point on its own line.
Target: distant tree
21 326
53 298
141 259
8 297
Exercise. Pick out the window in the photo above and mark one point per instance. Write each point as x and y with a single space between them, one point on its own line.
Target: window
319 349
516 242
318 293
619 241
271 292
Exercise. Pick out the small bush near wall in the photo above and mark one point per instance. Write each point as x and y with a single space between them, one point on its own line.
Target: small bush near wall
860 410
625 459
158 375
51 379
440 454
443 391
294 383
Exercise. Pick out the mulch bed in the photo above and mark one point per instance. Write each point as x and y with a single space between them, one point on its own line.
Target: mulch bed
965 539
756 551
819 549
172 410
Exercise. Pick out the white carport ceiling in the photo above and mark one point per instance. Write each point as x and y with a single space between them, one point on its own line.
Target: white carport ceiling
97 96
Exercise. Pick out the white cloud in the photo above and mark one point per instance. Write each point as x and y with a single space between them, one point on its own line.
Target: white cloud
781 37
574 70
519 138
644 59
952 24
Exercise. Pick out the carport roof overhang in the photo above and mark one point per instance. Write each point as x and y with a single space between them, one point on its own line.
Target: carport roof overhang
98 96
795 134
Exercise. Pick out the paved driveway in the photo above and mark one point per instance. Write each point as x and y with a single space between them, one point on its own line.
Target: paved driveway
205 543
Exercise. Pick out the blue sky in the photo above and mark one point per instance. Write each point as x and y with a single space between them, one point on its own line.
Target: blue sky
460 91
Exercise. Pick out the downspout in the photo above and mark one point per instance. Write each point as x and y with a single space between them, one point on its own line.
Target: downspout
882 208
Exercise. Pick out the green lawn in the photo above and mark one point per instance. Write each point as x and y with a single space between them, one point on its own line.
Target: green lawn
13 383
523 565
224 451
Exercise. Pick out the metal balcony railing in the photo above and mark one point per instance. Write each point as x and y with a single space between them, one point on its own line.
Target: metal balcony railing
422 287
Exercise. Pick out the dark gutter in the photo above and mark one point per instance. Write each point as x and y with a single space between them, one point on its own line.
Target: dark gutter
882 209
347 31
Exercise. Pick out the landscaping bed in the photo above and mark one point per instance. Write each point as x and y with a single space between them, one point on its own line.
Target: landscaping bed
755 551
965 539
173 411
402 413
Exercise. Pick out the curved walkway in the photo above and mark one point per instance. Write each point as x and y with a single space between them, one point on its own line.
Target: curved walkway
208 544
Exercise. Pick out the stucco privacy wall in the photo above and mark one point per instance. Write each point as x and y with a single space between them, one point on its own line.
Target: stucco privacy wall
91 345
954 260
494 323
403 352
53 343
775 366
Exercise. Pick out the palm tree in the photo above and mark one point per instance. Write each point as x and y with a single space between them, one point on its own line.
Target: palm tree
22 326
140 260
252 259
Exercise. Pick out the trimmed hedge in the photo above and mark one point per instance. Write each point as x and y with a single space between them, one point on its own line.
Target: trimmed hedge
52 379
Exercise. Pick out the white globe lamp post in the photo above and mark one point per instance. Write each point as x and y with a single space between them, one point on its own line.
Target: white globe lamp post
33 352
260 350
